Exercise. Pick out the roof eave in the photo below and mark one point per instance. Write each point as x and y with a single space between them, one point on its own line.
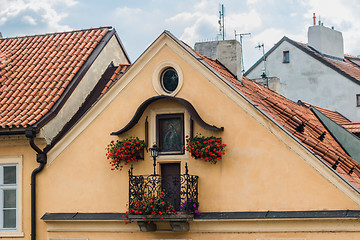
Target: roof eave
78 77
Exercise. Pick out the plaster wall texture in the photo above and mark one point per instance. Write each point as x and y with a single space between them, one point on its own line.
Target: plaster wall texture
305 78
165 235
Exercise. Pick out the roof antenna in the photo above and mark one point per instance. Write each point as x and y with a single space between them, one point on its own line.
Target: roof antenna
259 46
241 45
222 22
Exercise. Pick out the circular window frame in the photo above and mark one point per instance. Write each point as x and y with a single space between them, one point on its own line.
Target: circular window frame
158 74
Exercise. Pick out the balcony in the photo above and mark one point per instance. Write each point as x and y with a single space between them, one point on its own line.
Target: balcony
179 191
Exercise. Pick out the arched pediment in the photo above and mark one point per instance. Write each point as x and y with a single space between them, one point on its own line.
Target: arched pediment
187 105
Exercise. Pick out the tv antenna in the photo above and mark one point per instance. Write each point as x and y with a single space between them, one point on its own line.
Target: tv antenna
241 35
263 75
222 22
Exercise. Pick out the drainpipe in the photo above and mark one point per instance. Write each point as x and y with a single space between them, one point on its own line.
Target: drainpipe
42 159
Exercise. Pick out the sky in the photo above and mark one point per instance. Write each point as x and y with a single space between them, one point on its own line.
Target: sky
139 22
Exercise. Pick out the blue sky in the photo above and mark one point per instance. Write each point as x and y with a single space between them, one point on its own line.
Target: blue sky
140 22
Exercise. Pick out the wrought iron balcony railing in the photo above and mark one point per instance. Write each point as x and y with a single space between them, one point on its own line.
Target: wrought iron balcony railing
178 190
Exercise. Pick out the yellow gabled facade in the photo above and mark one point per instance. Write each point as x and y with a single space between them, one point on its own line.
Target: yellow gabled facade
263 170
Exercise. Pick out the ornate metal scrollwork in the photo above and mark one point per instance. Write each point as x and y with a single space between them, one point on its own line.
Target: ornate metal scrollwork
178 189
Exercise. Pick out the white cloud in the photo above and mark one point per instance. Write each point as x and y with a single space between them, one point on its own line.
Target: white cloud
29 20
243 22
35 11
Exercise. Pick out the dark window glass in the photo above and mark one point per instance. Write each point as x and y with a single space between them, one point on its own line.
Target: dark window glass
9 174
10 198
170 133
9 218
169 80
358 100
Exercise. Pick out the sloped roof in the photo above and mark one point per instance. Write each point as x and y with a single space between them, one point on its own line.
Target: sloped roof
36 72
298 120
353 127
333 115
346 67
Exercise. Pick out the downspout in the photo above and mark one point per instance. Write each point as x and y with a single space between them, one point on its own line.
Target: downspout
42 159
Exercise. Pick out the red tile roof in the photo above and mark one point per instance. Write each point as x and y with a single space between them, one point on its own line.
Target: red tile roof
118 72
353 127
36 70
297 120
333 115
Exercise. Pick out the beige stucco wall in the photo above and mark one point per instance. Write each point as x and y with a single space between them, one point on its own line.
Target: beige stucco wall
259 171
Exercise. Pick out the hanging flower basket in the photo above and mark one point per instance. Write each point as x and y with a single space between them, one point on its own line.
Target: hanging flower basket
210 149
122 152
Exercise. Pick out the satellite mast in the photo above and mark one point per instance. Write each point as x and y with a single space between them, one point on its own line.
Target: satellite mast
241 45
222 22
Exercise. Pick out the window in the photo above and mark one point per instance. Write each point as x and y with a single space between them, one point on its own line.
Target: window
8 196
170 133
358 100
169 80
286 57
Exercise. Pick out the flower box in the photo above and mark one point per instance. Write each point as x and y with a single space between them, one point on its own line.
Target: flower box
210 149
122 152
178 222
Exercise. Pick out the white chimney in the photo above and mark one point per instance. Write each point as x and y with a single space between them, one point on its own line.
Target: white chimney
328 42
228 52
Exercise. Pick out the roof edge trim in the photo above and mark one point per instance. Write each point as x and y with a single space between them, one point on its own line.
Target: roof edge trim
216 215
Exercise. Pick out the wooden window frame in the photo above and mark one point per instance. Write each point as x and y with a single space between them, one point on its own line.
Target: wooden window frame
166 116
358 100
286 56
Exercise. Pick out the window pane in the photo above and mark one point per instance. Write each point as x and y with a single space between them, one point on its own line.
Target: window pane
10 198
9 174
10 218
170 134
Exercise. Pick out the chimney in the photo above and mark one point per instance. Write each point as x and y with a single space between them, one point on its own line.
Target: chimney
328 42
1 36
228 52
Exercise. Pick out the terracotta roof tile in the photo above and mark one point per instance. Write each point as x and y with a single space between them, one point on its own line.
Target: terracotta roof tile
297 120
353 127
119 71
333 115
35 70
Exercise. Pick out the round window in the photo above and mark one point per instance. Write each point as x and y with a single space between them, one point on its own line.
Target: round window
169 80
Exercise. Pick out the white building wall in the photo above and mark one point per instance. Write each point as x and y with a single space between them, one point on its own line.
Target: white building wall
305 78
